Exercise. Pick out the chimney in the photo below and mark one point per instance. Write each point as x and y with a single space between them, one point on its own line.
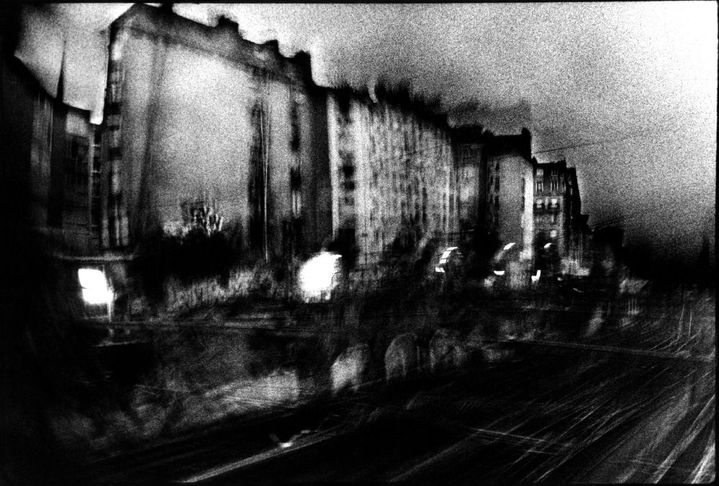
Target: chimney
303 60
226 23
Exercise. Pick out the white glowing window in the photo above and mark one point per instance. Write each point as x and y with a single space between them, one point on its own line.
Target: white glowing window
319 276
95 289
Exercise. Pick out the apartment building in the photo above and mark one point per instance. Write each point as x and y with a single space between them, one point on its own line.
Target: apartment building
394 178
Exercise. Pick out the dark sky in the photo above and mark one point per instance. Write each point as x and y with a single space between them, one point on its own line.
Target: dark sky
638 78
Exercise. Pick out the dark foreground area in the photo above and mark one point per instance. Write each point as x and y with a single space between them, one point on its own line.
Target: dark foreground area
556 417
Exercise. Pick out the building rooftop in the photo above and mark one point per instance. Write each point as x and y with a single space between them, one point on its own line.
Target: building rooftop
223 40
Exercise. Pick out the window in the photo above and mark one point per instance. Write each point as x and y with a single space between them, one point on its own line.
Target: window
540 182
257 180
496 183
554 181
343 103
295 126
524 183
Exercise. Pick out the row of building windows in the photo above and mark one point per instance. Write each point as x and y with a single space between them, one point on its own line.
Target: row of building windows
547 203
554 181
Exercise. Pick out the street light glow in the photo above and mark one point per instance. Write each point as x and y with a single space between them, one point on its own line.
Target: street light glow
95 289
508 246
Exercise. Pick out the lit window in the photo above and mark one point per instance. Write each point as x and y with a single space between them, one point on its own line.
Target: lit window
95 289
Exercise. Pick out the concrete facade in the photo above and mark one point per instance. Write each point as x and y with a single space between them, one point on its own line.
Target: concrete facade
393 175
200 117
510 191
470 147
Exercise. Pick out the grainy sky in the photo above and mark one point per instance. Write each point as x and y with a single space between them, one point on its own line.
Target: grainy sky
639 78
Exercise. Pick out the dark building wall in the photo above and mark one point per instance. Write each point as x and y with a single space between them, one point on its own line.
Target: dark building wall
46 183
316 183
470 148
19 91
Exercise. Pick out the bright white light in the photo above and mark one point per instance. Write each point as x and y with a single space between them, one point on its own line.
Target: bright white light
285 445
535 277
95 289
508 246
439 269
318 275
546 247
446 254
499 273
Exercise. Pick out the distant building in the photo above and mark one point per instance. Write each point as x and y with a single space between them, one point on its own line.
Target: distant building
470 148
510 191
200 121
561 231
394 182
51 157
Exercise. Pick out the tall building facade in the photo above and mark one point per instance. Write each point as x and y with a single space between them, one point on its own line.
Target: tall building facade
200 122
470 148
561 230
52 157
510 172
393 174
